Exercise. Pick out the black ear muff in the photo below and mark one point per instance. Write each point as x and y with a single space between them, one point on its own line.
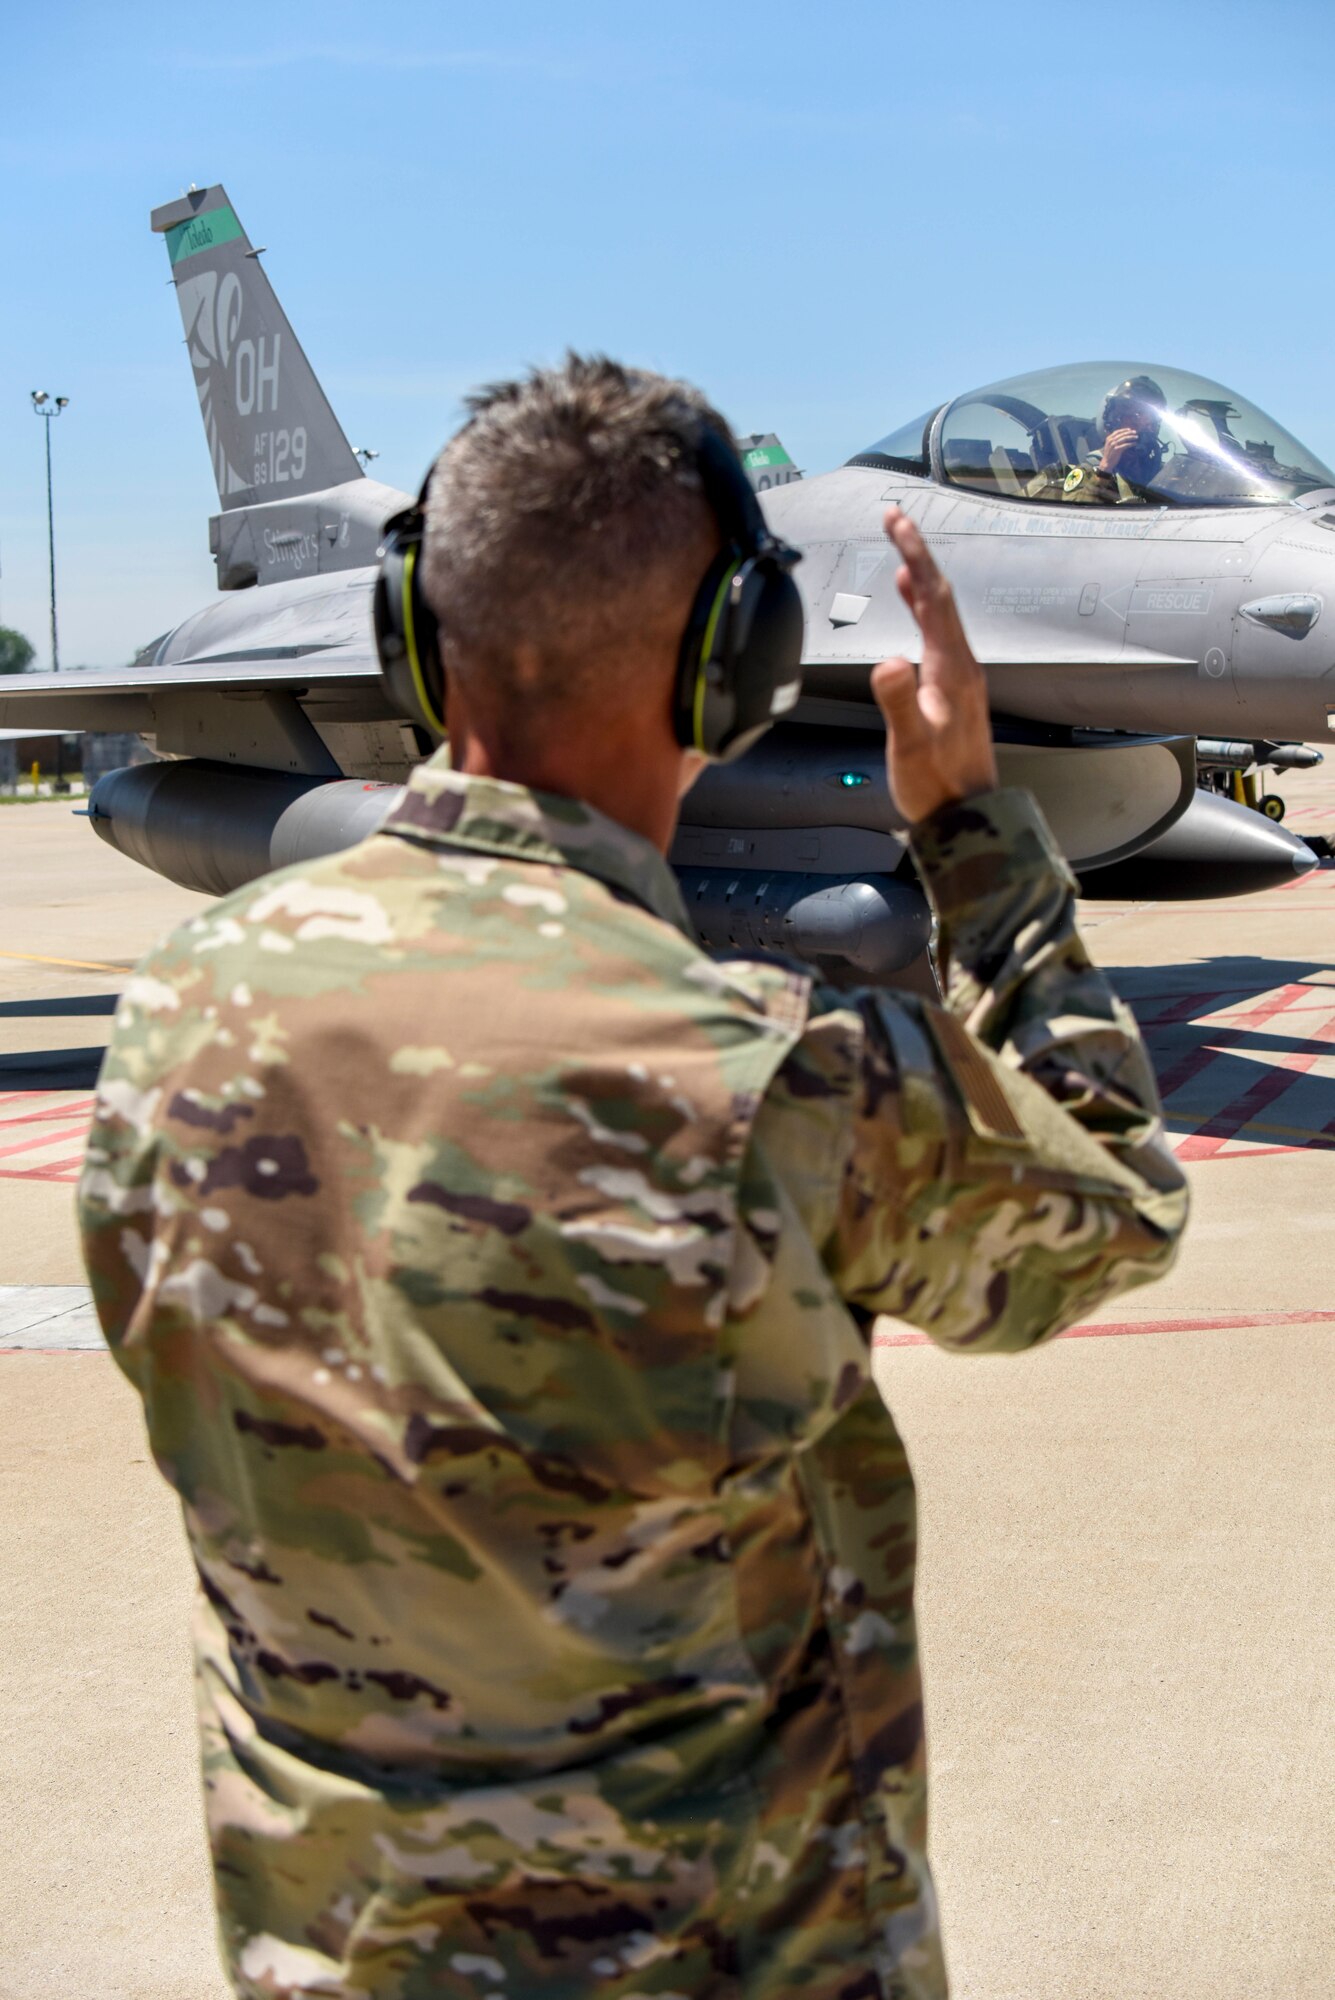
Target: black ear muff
406 636
740 662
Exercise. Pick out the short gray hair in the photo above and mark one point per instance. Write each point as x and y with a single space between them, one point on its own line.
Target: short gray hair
568 498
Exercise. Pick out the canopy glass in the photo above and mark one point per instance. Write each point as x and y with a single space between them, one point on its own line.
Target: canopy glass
1107 433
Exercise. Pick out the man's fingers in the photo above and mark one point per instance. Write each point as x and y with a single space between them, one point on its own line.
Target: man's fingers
920 582
929 597
895 686
925 580
908 540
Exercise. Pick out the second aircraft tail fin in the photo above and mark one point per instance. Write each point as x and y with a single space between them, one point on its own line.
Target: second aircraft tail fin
767 463
272 434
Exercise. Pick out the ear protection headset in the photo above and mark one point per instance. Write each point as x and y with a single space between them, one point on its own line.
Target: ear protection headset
407 639
740 661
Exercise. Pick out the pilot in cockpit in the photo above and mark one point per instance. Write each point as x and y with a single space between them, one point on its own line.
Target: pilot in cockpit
1132 452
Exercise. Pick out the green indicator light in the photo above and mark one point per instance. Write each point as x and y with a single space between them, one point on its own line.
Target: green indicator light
852 778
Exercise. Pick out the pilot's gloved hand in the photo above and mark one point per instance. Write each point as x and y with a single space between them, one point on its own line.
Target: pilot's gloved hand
938 731
1116 446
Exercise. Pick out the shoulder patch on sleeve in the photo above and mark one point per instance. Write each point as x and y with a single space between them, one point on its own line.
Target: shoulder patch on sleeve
991 1113
1075 477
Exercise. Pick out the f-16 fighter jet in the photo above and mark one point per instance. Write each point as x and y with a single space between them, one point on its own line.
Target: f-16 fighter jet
1141 559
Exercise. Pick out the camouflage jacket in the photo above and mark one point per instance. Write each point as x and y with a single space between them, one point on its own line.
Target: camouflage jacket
496 1270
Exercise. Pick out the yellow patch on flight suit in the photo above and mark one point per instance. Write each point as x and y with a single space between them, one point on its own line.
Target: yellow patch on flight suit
1075 477
990 1111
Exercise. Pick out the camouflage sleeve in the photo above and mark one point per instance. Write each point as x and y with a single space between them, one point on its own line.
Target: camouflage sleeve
109 1196
1006 1171
125 1211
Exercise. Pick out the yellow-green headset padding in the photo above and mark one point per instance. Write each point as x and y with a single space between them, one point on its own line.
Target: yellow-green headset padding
437 722
706 649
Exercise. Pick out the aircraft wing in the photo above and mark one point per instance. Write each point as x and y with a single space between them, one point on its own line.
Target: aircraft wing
267 708
134 698
327 676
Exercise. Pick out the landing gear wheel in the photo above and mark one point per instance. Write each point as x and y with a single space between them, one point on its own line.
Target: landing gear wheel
1272 805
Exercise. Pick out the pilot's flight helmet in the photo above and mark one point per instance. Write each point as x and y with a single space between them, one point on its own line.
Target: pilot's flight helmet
1138 402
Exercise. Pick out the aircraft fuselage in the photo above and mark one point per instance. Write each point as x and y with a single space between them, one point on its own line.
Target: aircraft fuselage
1142 619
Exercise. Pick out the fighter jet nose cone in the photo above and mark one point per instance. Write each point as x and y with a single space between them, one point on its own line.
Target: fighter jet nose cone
1217 848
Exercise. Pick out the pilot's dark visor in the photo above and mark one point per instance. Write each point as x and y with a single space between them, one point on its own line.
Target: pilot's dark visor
1137 416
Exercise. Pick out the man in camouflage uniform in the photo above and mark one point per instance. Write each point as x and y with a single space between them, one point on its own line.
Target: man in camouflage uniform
497 1272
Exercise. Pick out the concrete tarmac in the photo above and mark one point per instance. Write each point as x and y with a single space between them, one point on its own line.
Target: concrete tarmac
1128 1542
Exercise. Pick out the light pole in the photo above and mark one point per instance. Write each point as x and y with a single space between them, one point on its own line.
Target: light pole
48 406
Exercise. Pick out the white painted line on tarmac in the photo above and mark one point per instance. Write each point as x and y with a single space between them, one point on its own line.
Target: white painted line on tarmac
47 1319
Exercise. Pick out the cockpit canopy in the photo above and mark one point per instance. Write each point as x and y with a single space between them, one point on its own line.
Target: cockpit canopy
1177 440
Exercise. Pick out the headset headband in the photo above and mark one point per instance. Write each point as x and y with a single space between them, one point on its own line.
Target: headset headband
739 664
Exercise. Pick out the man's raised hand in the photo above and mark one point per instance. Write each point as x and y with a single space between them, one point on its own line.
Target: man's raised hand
938 736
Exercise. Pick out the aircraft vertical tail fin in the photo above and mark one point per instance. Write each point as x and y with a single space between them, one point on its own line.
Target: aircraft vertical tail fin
272 434
767 463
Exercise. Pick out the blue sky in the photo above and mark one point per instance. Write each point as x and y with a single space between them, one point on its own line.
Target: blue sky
830 216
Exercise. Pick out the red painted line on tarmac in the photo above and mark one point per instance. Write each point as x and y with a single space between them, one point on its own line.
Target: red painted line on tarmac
1185 1008
1324 1007
38 1140
1248 1152
1221 1322
46 1117
43 1139
1274 1003
1226 1041
1092 1330
58 1170
1205 1143
1200 1059
1208 1002
1182 1002
1115 1328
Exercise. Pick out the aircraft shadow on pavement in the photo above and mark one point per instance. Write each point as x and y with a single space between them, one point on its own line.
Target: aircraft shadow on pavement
54 1069
1227 1036
1220 1077
50 1069
55 1005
